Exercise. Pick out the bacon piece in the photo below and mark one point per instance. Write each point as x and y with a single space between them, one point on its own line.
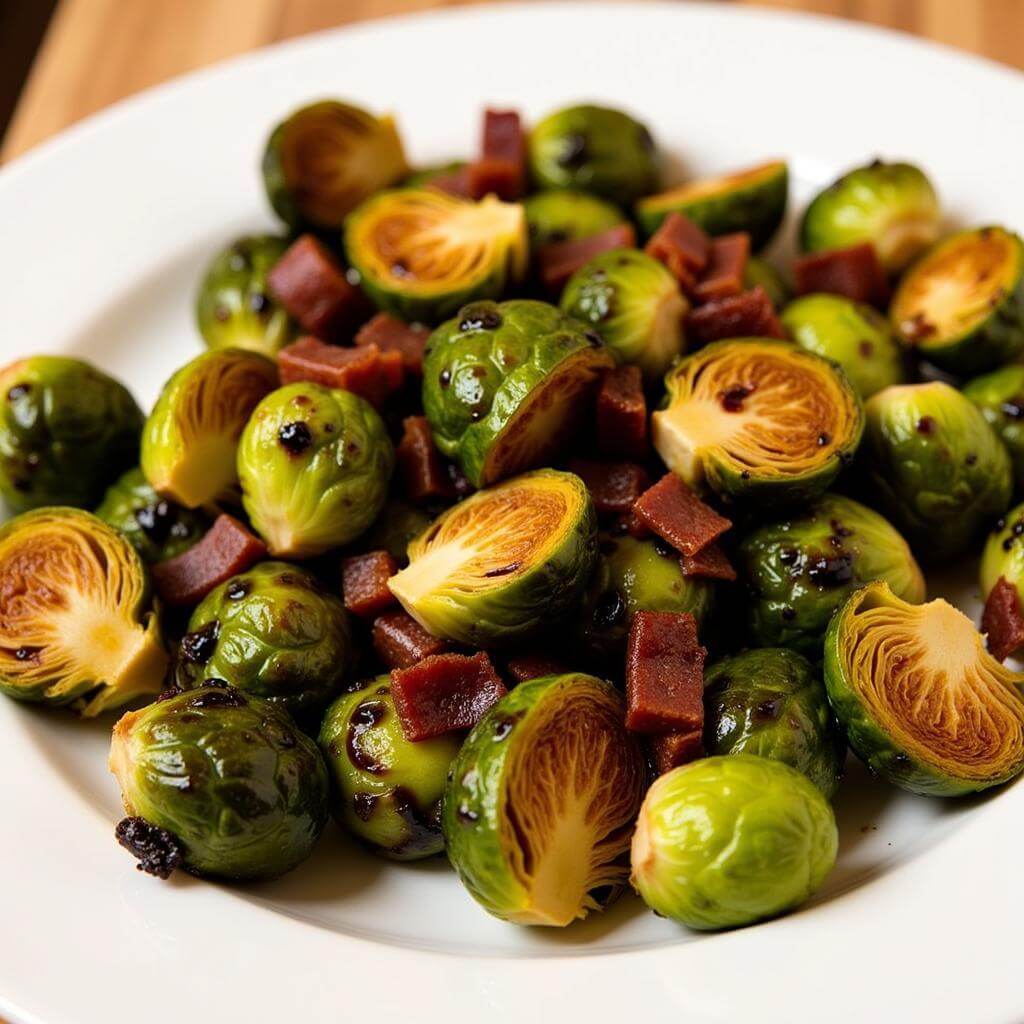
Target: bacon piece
678 516
501 168
365 371
664 673
444 693
671 749
364 583
390 334
420 468
614 486
635 526
227 549
854 272
709 563
748 315
723 276
400 641
1003 620
621 413
310 283
682 246
558 261
532 666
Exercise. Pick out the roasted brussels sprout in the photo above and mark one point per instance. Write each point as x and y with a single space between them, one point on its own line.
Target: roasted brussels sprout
503 563
562 215
893 206
923 703
314 465
75 616
420 177
853 334
325 159
66 431
421 254
772 703
936 468
395 529
503 385
387 790
753 201
760 273
219 782
726 841
542 798
1003 554
596 149
961 305
801 568
1000 397
635 304
758 420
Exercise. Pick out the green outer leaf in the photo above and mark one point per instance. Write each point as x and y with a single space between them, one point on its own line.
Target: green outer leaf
1000 397
564 215
1003 554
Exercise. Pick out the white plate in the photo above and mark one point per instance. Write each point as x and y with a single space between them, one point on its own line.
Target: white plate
103 233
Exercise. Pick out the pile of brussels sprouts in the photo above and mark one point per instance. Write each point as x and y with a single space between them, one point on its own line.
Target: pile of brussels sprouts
867 441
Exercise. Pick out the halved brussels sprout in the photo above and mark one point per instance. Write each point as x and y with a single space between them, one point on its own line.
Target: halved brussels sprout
387 790
503 563
157 528
893 206
596 149
937 469
562 215
1000 397
542 799
190 440
923 703
758 420
234 308
635 304
759 273
853 334
220 783
325 159
726 841
1003 554
314 466
76 621
421 253
961 305
503 385
395 529
753 200
801 568
771 702
66 431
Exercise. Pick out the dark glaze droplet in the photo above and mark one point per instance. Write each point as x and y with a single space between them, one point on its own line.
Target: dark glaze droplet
503 570
787 556
594 338
259 303
158 851
364 718
732 400
970 459
769 710
444 378
156 520
217 697
480 319
609 610
18 391
198 646
926 425
663 547
575 151
237 589
27 653
363 805
866 349
422 828
1013 409
824 439
831 571
295 437
788 614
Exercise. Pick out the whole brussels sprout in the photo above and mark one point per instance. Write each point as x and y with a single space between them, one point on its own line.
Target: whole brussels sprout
853 334
563 215
66 431
726 841
759 273
1000 397
1003 554
772 703
596 149
314 465
799 569
634 303
387 790
397 526
220 783
935 466
422 176
504 384
274 632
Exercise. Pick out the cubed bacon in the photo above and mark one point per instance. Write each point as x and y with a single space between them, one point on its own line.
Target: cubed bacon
671 749
709 563
227 549
682 246
365 371
501 168
1002 620
748 315
664 673
364 583
855 272
723 276
390 334
454 182
423 474
672 511
400 641
532 666
621 414
444 693
310 283
614 486
558 261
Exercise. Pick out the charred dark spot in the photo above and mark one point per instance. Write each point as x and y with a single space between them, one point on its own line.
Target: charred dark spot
917 328
221 313
156 520
594 338
158 851
839 529
476 414
663 547
732 399
171 691
1014 409
363 805
970 459
199 645
189 717
295 437
18 391
575 151
237 589
444 378
831 571
866 348
259 303
1008 543
788 614
479 372
289 579
422 829
369 714
217 697
503 725
824 439
466 814
503 570
745 475
610 610
787 556
769 710
926 425
476 319
27 654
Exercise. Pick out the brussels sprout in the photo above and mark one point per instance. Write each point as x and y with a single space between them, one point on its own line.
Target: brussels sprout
1003 554
758 420
66 431
726 841
219 782
190 440
893 206
853 334
760 273
504 385
314 465
923 703
394 530
273 632
325 159
387 790
423 176
75 616
596 149
1000 397
961 305
421 253
562 215
753 201
503 563
800 569
234 308
937 469
542 798
772 703
635 304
